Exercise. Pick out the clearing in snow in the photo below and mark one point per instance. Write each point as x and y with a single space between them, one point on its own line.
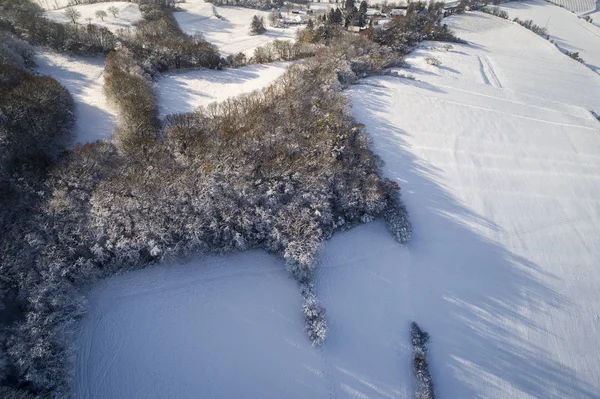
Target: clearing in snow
129 14
227 27
498 158
184 92
84 78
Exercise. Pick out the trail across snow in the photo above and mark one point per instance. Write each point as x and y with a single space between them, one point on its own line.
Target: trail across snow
502 182
84 78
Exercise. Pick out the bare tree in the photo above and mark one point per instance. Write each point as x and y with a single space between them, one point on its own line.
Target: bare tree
101 14
114 11
72 14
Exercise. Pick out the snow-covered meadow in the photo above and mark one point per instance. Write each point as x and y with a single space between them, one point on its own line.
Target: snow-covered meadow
184 92
84 78
128 14
230 30
566 29
498 158
577 6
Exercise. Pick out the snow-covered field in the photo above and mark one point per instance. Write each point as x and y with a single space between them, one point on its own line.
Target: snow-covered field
499 161
577 6
567 30
184 92
129 14
231 32
83 77
596 18
53 4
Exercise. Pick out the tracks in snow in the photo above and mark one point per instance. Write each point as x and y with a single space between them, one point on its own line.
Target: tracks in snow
488 73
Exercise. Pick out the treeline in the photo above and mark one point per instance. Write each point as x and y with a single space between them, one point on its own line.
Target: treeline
36 119
256 4
157 43
421 22
24 18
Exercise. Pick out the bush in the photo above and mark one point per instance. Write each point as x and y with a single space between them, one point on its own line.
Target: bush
433 61
538 30
420 341
496 11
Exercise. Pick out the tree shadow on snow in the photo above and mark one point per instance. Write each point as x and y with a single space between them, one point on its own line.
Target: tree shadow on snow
471 294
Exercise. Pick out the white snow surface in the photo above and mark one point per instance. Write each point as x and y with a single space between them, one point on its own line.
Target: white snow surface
53 4
499 162
577 6
567 30
129 13
231 32
185 91
84 78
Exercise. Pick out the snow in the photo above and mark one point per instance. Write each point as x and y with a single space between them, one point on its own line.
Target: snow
498 158
577 6
212 328
53 4
567 30
231 32
184 92
129 14
83 77
595 16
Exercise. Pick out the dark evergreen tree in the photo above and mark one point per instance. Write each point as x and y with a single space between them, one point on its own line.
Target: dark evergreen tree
257 27
338 18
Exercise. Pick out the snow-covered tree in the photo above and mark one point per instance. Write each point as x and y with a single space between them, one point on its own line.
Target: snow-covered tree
257 26
420 341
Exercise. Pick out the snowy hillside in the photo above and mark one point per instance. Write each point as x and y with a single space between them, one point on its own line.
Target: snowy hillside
595 17
53 4
498 158
231 32
567 30
128 14
577 6
83 77
183 92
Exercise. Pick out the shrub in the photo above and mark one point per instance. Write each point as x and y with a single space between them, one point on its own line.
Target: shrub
538 30
496 11
433 61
